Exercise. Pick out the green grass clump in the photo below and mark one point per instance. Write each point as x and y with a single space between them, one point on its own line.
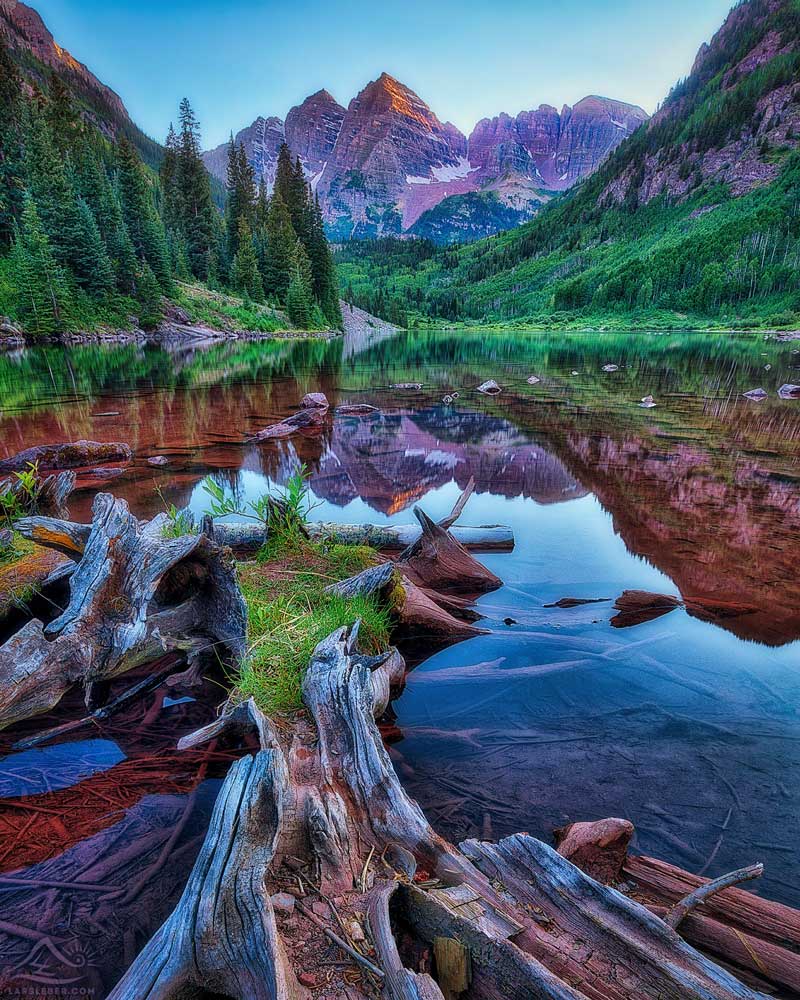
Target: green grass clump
290 613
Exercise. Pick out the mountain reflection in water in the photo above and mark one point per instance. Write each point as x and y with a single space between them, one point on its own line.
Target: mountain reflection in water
687 725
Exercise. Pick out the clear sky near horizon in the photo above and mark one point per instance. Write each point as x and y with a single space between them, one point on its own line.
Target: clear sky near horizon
468 60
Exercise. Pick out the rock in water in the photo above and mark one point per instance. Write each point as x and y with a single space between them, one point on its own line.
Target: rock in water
648 403
490 388
533 380
610 368
356 410
315 401
789 391
158 461
638 606
757 395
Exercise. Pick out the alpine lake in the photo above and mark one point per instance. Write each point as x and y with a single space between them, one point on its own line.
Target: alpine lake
687 724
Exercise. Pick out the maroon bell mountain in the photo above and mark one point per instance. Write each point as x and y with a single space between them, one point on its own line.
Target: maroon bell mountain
388 165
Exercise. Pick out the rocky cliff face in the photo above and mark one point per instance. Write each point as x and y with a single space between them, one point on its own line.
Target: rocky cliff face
386 162
24 29
733 120
554 150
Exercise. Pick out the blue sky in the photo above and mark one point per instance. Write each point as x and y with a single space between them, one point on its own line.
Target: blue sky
239 59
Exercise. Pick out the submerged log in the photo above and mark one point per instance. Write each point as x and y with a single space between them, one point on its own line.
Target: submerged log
134 595
73 455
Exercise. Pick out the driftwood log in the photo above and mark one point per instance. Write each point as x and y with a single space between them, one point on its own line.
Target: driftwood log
134 595
511 920
249 536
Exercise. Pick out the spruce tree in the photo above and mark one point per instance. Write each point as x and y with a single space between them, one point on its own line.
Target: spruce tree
12 184
44 299
245 277
277 256
144 226
149 298
298 302
241 201
69 226
171 207
325 282
197 210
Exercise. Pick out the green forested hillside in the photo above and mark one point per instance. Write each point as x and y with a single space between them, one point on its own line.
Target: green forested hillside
694 220
91 236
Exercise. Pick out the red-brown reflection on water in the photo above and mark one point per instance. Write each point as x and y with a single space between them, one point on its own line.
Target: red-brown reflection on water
91 868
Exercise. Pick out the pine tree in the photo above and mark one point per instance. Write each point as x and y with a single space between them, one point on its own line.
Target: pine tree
298 302
179 256
65 218
144 226
194 185
245 278
241 201
171 207
44 299
325 282
12 185
277 257
63 117
148 295
284 173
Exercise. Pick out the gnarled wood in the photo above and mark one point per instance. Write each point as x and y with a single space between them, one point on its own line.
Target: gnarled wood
439 562
703 893
134 595
222 935
736 907
592 936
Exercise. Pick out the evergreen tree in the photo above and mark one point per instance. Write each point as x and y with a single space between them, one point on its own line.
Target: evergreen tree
241 201
65 122
298 302
69 225
12 184
197 223
44 299
179 256
148 296
325 283
171 207
144 226
245 277
280 243
284 176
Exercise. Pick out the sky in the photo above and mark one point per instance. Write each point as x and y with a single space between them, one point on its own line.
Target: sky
468 59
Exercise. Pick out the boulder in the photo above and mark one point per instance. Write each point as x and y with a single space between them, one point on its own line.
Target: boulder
638 606
757 395
490 388
158 461
315 401
789 391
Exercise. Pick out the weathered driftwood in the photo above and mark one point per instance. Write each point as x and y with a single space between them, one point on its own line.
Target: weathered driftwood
47 494
134 595
419 613
222 937
703 893
762 918
72 455
438 562
249 536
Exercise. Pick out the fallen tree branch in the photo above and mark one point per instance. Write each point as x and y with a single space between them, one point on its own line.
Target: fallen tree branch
704 892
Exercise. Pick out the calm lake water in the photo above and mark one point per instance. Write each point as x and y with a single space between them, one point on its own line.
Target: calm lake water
687 725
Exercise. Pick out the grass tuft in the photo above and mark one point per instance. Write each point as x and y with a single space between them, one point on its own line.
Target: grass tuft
290 613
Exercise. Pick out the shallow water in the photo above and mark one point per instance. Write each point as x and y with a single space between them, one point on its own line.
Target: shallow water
688 725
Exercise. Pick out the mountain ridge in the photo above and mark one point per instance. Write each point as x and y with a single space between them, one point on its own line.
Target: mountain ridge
386 160
693 217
